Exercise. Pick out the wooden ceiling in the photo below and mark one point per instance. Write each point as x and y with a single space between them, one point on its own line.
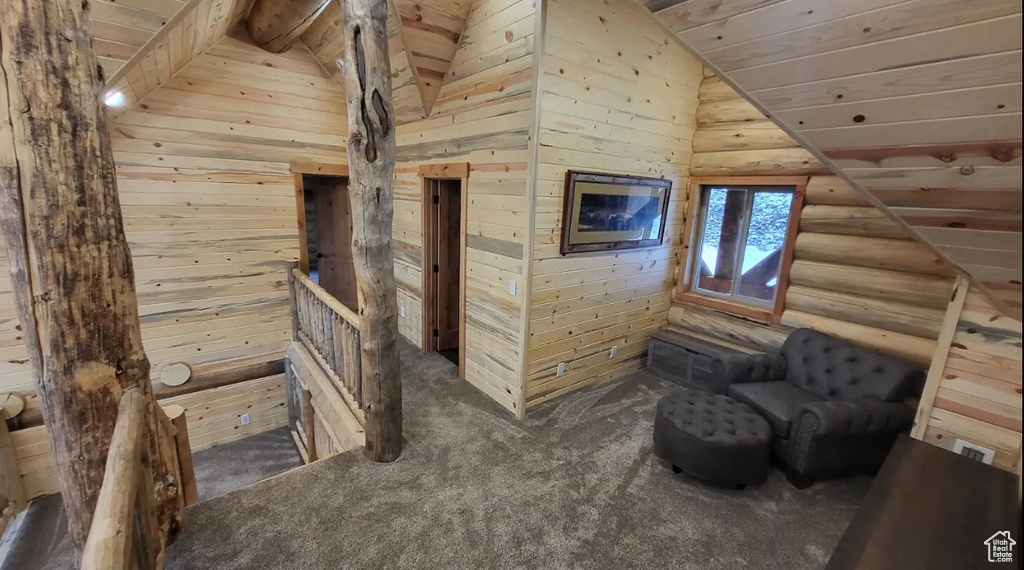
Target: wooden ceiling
121 27
325 41
431 30
142 43
197 26
915 102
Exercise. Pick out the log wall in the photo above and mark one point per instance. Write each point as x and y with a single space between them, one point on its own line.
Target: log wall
482 116
977 395
855 275
617 96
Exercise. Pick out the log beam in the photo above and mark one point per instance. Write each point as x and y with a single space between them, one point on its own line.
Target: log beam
71 269
366 70
274 25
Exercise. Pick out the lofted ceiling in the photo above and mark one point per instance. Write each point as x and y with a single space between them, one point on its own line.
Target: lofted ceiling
917 103
325 41
431 30
142 43
121 27
193 29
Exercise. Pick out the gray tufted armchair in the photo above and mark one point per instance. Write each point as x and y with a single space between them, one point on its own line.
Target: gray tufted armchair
835 408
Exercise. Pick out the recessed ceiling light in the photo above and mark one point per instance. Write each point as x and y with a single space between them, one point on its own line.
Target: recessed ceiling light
114 99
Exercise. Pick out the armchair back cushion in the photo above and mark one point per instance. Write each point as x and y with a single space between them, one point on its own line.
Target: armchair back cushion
834 369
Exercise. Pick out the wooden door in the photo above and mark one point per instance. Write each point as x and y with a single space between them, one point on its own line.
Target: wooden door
337 274
448 252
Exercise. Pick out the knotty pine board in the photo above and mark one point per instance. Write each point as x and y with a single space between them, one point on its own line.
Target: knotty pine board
209 207
896 95
979 392
618 96
482 116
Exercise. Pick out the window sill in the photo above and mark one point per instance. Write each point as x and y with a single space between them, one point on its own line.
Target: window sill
729 306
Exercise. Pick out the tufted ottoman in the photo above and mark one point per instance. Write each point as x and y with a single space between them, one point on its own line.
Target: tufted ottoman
712 437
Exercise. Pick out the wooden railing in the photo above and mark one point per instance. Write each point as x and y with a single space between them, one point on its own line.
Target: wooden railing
330 331
124 532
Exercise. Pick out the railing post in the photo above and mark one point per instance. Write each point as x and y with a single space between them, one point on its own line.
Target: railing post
183 448
109 545
330 357
308 417
293 302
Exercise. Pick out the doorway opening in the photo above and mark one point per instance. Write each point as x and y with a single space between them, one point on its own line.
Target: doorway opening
444 261
325 235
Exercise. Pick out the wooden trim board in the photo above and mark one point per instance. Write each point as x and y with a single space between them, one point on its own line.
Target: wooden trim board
429 175
938 364
319 168
684 289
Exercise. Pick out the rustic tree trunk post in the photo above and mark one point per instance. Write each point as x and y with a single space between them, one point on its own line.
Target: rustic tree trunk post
371 163
70 265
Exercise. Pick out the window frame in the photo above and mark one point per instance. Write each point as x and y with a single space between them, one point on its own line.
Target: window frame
687 290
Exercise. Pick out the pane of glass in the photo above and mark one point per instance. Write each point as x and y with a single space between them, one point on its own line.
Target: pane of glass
723 219
766 237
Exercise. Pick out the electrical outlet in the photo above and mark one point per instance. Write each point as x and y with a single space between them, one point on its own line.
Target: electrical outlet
974 451
561 368
512 287
244 418
401 311
614 352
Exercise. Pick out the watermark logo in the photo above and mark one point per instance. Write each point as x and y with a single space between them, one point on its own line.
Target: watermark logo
1000 547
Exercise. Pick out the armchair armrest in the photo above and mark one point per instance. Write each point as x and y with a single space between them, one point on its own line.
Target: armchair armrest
856 417
746 368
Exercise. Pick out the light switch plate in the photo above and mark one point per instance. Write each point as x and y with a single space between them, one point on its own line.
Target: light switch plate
244 418
401 311
614 352
561 368
512 287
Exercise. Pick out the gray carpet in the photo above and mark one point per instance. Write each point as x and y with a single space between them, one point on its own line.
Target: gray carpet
39 539
241 463
573 486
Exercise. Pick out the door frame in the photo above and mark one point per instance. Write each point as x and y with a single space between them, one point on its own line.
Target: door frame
298 168
428 308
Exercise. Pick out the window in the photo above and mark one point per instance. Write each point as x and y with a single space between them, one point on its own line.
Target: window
741 243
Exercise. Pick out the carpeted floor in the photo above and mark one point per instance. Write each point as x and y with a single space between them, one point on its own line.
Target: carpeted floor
241 463
39 539
573 486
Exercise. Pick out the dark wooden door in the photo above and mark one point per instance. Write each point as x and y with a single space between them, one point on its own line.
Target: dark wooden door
449 248
334 236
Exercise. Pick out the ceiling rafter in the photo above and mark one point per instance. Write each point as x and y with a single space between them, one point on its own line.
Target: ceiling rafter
192 30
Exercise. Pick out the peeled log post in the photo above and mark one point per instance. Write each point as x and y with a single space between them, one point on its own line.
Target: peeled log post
71 270
274 25
371 164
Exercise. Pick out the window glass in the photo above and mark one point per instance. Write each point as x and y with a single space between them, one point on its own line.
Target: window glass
766 239
742 242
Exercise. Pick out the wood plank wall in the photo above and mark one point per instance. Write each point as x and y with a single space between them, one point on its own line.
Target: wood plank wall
978 395
856 274
209 211
618 96
209 200
482 116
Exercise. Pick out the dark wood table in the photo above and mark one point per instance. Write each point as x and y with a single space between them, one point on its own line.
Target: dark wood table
930 509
